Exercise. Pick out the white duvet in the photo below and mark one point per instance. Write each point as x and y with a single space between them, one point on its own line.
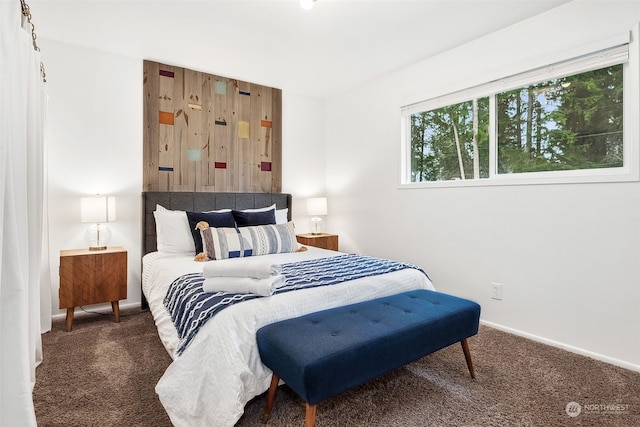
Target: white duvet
220 371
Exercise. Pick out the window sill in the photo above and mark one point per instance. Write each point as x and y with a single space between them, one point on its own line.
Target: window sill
592 176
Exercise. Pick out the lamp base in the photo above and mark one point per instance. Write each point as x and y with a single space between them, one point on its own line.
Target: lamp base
316 225
97 237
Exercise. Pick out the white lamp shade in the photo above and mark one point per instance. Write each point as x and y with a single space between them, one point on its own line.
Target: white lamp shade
317 206
97 209
306 4
111 208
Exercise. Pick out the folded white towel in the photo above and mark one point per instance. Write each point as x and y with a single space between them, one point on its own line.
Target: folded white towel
243 285
241 267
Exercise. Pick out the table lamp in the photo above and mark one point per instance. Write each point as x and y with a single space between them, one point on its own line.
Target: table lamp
97 210
316 206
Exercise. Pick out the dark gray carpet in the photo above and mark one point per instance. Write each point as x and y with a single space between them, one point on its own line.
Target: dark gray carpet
103 374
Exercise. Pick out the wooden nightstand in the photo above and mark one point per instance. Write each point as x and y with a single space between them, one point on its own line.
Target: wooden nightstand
321 240
91 277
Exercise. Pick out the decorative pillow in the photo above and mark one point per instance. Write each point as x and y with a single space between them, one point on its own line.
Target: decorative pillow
252 218
281 216
221 243
214 219
172 231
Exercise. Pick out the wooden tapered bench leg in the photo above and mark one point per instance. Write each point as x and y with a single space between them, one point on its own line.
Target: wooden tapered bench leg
271 398
467 357
310 420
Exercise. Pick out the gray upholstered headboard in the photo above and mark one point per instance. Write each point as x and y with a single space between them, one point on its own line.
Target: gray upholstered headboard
198 202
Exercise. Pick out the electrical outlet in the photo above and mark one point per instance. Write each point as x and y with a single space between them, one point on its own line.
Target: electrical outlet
496 291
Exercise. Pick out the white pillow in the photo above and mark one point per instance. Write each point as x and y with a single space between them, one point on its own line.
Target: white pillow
267 208
281 216
172 231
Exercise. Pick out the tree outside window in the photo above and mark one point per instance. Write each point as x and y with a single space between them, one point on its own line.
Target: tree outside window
451 142
563 124
568 123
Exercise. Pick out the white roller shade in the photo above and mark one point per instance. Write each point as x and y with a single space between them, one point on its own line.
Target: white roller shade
616 52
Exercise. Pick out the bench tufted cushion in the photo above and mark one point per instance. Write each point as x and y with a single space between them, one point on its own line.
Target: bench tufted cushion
326 353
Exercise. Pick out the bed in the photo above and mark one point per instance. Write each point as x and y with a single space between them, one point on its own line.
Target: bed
210 380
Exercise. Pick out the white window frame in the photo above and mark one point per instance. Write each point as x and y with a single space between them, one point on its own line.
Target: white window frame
619 49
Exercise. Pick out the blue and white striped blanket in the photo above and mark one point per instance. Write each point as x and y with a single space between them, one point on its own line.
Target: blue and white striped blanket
191 307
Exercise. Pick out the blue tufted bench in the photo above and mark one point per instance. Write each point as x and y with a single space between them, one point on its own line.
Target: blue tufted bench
322 354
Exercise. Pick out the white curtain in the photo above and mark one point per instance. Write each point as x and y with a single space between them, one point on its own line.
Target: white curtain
23 277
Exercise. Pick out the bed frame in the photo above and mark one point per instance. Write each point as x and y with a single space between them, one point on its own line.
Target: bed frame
198 202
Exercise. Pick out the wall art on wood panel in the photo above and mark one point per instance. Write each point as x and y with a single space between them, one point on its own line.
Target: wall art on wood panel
204 132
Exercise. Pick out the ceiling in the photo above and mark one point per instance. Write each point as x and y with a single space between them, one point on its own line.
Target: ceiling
320 52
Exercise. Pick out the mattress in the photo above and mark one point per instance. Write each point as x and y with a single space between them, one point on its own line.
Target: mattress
220 371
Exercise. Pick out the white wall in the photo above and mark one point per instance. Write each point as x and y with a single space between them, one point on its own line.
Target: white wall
304 152
568 255
94 139
94 134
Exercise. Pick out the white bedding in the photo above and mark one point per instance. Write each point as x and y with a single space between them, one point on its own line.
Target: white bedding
220 371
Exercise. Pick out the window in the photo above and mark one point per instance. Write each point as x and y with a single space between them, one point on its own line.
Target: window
451 142
564 123
570 123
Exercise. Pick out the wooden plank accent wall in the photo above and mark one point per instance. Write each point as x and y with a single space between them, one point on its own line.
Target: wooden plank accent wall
207 133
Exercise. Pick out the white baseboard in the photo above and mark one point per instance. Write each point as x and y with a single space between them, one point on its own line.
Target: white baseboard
106 309
583 352
617 362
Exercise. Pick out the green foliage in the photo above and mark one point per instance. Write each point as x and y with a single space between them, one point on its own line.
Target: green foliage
434 151
563 124
568 123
